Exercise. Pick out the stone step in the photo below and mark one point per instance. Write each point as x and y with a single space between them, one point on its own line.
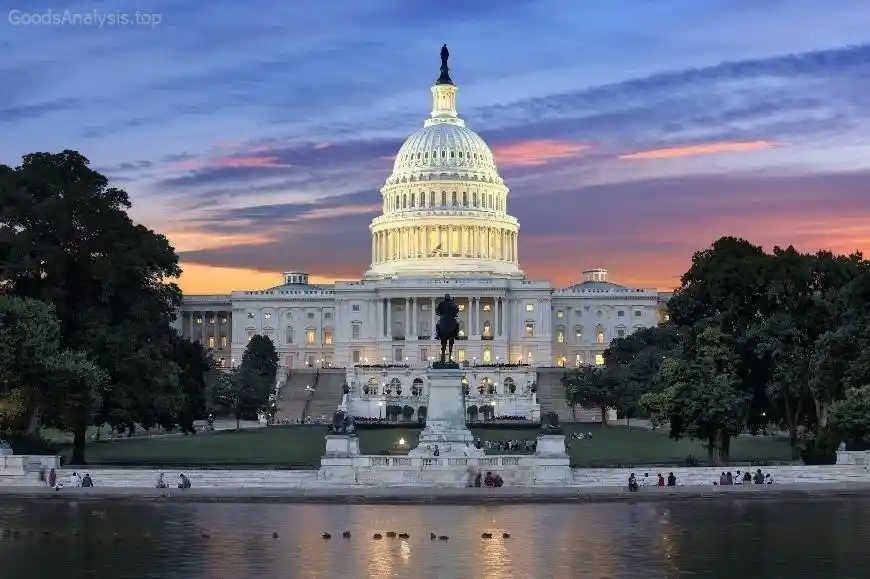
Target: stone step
707 475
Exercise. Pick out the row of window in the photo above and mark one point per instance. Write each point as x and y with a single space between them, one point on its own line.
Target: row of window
530 307
489 201
453 155
290 335
561 313
426 354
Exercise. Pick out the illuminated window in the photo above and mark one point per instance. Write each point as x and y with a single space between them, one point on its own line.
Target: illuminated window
487 355
461 307
487 307
249 334
578 332
487 329
224 342
211 342
267 316
327 336
599 359
599 336
530 307
310 335
530 329
211 321
461 354
560 335
355 331
560 314
577 360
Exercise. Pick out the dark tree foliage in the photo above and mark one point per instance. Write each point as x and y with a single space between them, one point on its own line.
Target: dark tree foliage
66 239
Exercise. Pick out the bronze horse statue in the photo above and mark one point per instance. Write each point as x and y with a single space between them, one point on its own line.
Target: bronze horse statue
447 328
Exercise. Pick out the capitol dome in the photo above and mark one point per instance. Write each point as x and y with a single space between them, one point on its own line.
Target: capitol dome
444 205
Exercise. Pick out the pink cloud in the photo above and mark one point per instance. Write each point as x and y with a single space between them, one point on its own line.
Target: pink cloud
694 150
233 162
536 152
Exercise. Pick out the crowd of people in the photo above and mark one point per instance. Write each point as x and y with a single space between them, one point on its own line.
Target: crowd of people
523 446
725 479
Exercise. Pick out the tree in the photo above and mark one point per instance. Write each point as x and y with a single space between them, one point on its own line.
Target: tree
194 363
591 387
66 239
261 358
29 339
247 390
850 418
706 401
631 365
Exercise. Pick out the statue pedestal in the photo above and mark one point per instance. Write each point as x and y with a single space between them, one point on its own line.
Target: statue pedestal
341 445
445 417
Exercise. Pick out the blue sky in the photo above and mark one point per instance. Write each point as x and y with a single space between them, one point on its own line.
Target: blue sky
631 133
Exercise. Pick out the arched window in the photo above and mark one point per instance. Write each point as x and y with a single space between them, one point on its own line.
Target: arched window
443 198
413 200
510 386
487 330
417 387
453 199
599 335
431 198
474 199
560 334
464 199
404 201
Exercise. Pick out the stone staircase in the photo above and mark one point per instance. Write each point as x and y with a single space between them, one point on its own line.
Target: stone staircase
551 396
551 393
327 394
292 397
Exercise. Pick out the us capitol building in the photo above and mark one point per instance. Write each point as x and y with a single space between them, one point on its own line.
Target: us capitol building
445 228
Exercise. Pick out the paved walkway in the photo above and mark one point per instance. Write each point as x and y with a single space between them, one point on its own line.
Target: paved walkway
448 496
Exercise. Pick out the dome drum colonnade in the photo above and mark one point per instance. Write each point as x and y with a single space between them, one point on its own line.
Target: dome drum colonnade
445 205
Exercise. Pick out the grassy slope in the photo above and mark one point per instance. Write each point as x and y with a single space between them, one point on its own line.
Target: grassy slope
302 447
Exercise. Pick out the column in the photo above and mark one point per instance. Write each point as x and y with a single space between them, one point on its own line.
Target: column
449 241
217 330
499 307
202 339
477 329
382 317
414 325
407 318
432 318
389 305
191 317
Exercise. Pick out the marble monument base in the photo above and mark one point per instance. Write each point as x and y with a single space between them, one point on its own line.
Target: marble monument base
445 418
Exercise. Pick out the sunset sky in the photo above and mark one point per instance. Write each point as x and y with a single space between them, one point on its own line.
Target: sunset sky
632 133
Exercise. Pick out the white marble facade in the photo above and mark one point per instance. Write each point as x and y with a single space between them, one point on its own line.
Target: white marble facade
445 228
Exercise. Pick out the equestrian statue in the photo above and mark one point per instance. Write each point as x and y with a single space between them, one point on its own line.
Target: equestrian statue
447 330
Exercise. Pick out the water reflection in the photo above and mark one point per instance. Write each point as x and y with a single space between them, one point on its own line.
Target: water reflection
820 538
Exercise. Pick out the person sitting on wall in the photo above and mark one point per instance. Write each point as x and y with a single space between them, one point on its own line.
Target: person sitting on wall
87 482
183 481
497 481
661 481
632 483
161 484
488 480
747 478
672 480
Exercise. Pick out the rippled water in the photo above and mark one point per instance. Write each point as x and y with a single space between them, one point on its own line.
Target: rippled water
819 539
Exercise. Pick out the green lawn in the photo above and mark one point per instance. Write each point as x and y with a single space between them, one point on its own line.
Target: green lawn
302 447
